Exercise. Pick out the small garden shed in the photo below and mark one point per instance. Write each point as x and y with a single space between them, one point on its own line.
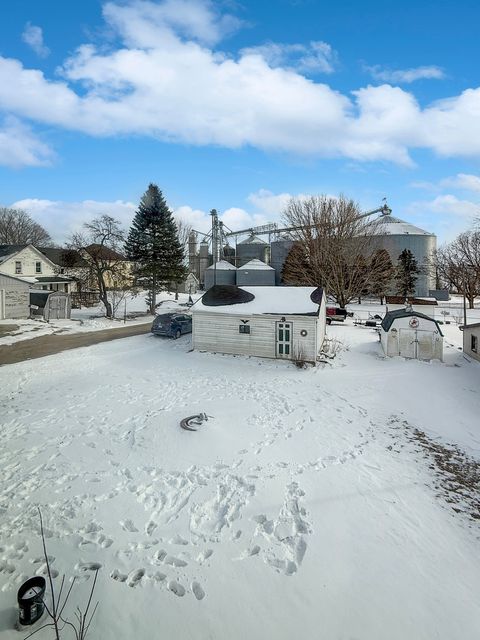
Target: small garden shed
270 322
411 334
52 305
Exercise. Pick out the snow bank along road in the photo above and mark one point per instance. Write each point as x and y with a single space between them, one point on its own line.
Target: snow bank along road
47 345
303 508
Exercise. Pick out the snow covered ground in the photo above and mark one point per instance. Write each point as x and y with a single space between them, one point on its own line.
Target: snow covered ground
89 319
304 508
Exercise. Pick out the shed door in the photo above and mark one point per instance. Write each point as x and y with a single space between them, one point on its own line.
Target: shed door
407 343
2 304
57 307
425 345
284 339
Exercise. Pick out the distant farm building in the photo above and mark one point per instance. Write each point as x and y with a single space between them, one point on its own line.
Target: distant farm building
411 334
256 273
287 323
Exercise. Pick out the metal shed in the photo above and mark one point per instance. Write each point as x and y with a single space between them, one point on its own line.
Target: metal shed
14 298
256 273
221 272
411 334
52 305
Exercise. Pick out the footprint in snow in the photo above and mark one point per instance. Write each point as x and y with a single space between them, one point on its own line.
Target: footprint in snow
128 525
88 566
175 562
134 577
198 592
176 588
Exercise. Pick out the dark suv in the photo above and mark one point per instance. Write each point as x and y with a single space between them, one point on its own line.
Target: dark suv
172 325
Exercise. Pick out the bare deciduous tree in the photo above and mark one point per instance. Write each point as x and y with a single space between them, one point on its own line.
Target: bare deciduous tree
17 227
458 264
100 245
333 246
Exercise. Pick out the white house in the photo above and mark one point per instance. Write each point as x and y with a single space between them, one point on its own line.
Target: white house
411 334
14 297
471 340
28 263
270 322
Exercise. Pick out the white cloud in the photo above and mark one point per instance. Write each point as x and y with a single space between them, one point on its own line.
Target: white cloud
33 36
61 218
449 204
166 81
150 25
19 147
405 76
317 57
463 181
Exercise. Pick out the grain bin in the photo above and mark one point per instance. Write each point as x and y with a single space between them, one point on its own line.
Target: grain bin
395 235
220 273
256 273
252 247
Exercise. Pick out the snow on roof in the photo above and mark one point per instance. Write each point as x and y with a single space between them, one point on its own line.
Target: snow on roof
222 264
267 300
389 225
256 264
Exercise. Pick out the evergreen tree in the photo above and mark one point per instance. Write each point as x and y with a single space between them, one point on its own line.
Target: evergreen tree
382 270
154 246
406 273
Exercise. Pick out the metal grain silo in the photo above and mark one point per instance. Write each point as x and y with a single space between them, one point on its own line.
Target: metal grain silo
395 235
256 273
252 247
220 273
279 251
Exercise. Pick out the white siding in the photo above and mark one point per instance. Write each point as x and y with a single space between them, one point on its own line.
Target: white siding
425 343
219 332
15 298
28 257
467 342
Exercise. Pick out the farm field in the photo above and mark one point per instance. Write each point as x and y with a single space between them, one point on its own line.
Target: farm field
312 503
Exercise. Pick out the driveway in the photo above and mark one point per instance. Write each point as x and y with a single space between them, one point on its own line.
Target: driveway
48 345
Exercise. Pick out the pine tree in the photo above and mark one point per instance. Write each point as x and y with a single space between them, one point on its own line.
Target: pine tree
406 273
154 246
381 274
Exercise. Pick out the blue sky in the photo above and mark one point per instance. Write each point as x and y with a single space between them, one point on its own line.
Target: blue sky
238 106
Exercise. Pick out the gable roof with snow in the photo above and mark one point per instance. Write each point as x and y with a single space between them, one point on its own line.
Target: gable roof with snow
391 316
256 265
242 301
222 265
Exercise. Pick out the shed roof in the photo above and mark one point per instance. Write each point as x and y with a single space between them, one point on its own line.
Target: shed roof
234 300
474 325
256 265
391 316
7 275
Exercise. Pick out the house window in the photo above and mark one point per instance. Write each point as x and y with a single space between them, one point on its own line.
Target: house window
38 267
18 267
474 343
243 328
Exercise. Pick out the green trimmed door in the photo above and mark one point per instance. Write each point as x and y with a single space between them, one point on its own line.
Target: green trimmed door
284 339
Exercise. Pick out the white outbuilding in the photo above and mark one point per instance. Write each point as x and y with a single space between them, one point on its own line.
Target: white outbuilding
270 322
411 334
